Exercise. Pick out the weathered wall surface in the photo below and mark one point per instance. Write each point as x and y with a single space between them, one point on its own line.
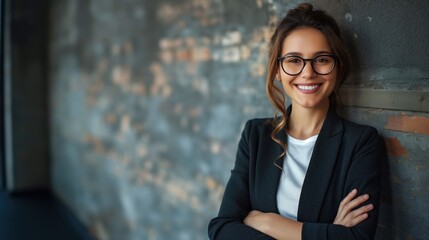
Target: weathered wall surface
148 99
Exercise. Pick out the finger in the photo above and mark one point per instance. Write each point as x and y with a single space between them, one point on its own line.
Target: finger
355 221
357 215
356 202
349 206
362 210
349 197
341 213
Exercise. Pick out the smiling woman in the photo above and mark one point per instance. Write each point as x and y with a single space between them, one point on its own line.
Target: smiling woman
307 87
297 175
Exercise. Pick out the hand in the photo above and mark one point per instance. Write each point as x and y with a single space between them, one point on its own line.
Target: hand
348 217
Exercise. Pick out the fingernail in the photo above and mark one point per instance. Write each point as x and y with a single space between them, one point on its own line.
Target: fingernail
370 206
354 190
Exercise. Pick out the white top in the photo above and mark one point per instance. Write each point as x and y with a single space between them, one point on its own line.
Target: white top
295 167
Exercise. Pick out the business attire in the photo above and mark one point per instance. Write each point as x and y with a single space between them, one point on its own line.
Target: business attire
345 156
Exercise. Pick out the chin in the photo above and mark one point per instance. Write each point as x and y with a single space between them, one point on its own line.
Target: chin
312 104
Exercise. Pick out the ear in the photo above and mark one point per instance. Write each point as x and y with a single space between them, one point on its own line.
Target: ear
277 77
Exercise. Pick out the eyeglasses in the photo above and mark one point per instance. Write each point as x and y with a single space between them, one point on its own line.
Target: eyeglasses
322 64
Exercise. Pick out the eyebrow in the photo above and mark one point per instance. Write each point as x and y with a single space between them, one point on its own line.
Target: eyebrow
300 54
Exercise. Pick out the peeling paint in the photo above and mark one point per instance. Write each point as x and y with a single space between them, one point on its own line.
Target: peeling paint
349 17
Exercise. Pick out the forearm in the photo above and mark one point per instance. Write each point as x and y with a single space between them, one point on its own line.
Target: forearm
328 231
274 225
230 229
283 228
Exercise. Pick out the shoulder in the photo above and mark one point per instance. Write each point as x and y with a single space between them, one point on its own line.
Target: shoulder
257 128
360 135
258 125
259 122
355 129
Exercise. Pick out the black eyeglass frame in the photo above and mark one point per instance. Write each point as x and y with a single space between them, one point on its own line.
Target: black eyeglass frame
305 60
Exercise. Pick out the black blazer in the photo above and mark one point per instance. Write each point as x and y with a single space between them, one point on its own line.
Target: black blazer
346 156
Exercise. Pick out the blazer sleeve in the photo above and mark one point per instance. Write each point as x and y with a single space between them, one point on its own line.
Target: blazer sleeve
236 203
364 175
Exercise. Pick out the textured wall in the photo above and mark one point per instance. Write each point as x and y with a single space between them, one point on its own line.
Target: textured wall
405 193
148 100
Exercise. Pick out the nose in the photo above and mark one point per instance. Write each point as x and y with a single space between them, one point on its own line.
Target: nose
308 71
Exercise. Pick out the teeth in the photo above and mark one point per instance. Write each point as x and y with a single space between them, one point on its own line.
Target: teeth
307 87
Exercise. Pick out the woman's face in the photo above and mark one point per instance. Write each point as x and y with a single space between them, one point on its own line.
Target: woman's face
307 89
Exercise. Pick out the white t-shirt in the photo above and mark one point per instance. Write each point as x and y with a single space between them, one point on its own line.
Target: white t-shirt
298 154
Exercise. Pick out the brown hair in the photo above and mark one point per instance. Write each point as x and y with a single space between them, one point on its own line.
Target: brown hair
300 17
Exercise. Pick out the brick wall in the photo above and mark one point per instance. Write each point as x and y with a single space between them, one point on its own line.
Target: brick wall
148 100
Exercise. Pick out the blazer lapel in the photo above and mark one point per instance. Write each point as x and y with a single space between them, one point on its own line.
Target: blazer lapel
320 169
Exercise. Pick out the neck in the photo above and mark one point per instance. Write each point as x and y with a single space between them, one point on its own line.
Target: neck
306 122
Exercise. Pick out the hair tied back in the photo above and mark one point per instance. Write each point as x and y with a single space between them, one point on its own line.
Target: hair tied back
307 7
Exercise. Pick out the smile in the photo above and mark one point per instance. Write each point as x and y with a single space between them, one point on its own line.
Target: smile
308 87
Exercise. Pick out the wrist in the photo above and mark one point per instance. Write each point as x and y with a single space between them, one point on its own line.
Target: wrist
269 222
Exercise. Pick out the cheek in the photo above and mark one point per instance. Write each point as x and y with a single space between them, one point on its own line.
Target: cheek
284 78
333 84
332 78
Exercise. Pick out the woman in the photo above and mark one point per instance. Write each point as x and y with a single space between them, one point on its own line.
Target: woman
297 176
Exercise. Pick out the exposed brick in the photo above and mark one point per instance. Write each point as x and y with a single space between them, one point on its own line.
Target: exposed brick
395 148
121 75
231 38
245 52
267 33
165 43
138 88
410 124
184 54
257 69
167 56
190 42
201 54
160 85
231 54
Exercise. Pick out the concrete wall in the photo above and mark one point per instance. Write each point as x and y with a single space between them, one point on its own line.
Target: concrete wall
148 99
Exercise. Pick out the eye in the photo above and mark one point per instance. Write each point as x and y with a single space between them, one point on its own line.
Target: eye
293 60
323 60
